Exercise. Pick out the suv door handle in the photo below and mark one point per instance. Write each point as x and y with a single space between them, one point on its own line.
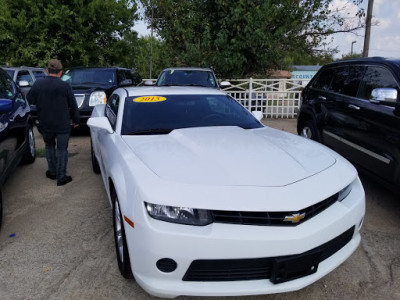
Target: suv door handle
352 106
322 98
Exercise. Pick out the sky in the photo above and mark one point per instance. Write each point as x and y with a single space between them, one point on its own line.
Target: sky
384 37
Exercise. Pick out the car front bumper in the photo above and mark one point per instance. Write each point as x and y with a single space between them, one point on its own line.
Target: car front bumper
152 240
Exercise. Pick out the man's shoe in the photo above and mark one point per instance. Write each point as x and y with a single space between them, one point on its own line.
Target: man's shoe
65 180
51 175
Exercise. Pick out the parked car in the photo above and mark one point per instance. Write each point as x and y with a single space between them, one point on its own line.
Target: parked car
353 106
25 76
209 202
17 141
186 76
93 85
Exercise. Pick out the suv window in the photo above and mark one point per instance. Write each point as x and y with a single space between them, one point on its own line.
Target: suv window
39 74
376 77
323 81
347 79
24 75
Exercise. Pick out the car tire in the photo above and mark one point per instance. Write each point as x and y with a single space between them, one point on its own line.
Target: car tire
30 150
95 163
121 247
309 131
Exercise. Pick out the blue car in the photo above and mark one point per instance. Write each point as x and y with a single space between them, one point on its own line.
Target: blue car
17 141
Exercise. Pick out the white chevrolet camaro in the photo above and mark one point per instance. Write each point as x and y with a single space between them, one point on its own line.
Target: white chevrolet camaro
209 202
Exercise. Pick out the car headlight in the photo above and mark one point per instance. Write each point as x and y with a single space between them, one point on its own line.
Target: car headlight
344 192
180 215
97 97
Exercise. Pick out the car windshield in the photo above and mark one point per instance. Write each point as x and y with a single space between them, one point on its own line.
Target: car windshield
10 72
187 78
163 113
89 76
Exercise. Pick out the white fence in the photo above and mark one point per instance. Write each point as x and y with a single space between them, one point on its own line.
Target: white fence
275 98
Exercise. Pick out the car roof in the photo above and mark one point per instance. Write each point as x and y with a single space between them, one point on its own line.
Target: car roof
171 90
23 68
366 60
188 69
100 68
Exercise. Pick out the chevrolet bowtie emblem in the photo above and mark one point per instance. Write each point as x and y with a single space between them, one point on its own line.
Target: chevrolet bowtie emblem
295 218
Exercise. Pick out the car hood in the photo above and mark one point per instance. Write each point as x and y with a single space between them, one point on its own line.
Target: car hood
231 156
89 88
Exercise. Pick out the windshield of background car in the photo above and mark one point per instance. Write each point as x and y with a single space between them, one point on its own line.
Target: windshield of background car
11 73
89 76
187 77
7 90
160 114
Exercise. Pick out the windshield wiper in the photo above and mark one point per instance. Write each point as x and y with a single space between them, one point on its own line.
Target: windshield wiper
151 131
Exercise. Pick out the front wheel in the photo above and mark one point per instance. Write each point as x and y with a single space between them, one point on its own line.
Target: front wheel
121 247
309 131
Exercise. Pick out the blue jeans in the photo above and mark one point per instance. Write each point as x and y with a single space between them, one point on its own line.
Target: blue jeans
56 153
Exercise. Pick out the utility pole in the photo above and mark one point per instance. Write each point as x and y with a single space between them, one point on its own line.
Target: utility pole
368 28
151 42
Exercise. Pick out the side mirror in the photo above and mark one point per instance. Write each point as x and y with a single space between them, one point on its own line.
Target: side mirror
383 94
126 82
257 114
148 83
224 84
23 83
5 105
100 123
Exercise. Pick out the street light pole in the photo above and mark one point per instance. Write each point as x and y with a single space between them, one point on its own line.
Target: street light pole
352 43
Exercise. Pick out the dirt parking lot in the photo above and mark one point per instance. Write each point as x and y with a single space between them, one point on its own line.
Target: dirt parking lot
57 242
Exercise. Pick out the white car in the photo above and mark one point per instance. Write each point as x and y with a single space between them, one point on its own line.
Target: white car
209 202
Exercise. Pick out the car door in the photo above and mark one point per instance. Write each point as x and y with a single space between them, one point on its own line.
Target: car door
342 122
13 116
378 139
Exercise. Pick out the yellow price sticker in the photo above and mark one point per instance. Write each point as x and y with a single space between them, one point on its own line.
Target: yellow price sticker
149 99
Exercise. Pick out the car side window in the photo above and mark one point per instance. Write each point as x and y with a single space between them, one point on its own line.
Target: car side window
323 81
39 74
112 109
24 75
7 89
376 77
347 79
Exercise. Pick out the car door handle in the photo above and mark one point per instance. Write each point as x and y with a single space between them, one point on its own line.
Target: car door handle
322 98
352 106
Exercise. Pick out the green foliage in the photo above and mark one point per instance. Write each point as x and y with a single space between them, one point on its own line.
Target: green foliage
78 32
242 38
160 56
354 55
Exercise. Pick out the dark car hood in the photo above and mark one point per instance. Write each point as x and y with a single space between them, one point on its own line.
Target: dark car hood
89 88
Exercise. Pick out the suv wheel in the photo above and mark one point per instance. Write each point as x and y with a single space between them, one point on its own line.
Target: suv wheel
30 152
308 130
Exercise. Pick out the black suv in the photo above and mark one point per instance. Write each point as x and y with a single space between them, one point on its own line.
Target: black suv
17 142
93 86
353 106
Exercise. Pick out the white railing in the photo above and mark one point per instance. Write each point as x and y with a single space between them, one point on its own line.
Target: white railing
275 98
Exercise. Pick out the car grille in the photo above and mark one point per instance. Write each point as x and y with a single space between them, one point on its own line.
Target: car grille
79 99
266 268
271 218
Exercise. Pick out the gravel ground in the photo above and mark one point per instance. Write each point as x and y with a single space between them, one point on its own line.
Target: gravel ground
57 242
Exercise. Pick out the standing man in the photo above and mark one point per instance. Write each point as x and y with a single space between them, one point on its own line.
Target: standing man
56 106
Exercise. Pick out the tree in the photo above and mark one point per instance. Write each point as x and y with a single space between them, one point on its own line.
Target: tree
242 38
78 32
